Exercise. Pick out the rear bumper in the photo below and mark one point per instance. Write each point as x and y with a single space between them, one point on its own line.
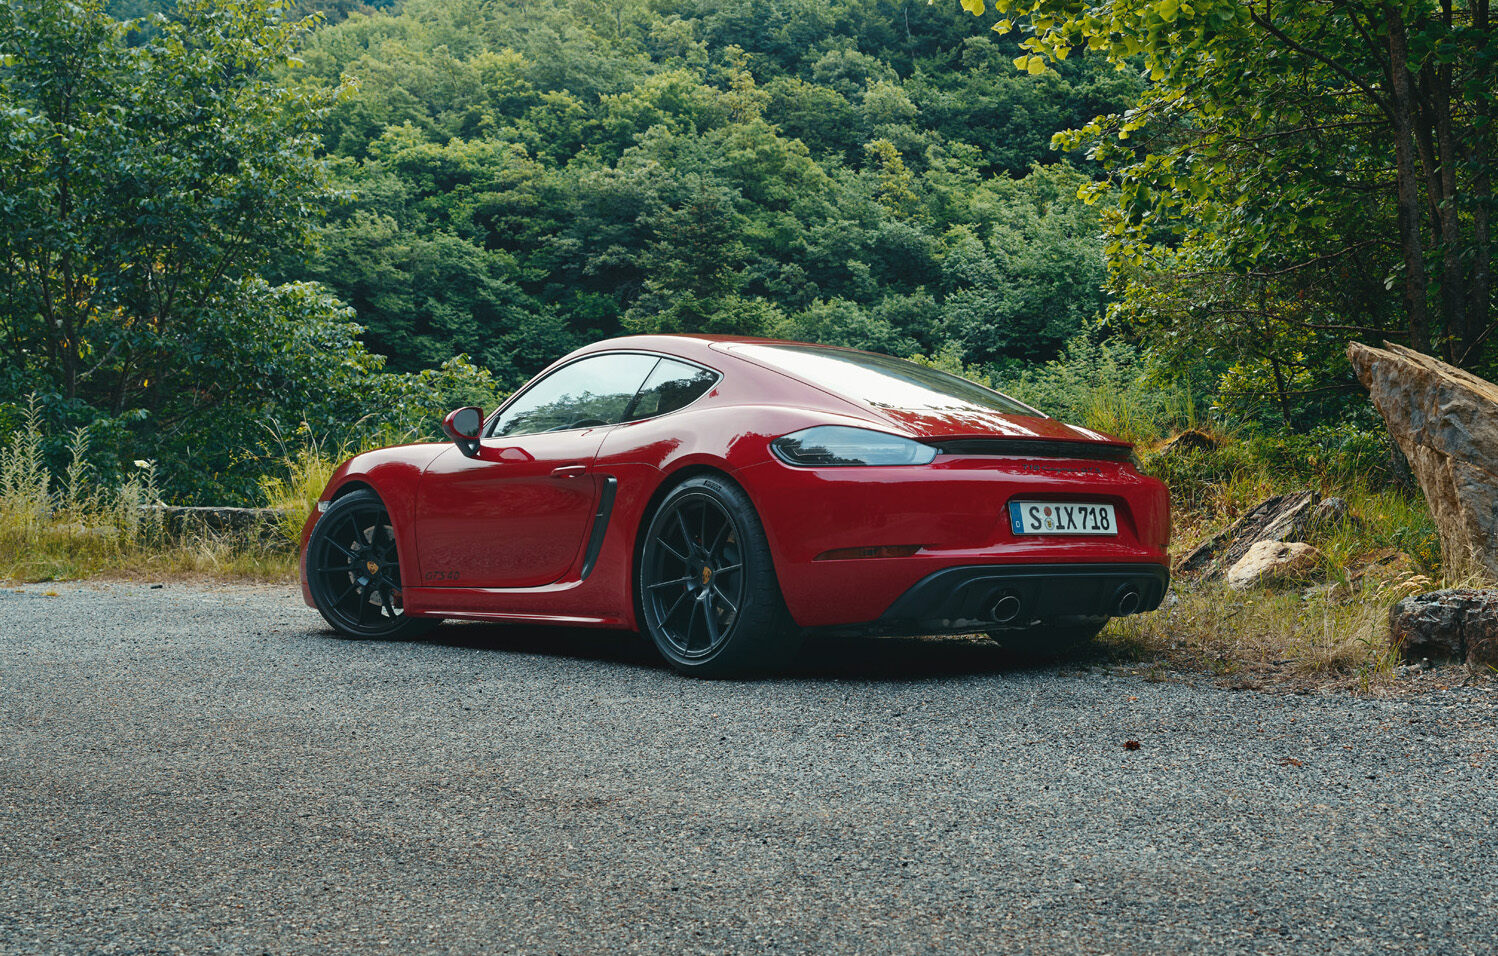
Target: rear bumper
988 597
954 513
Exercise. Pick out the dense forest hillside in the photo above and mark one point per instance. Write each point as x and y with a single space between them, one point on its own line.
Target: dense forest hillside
525 177
231 227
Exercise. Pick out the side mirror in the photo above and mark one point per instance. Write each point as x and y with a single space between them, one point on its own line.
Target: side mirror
462 425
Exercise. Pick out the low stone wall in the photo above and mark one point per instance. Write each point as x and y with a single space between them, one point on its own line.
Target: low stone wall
255 522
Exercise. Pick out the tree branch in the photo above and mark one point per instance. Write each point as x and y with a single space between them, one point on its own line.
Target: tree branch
1335 67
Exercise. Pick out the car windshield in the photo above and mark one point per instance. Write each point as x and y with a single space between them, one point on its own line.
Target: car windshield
882 381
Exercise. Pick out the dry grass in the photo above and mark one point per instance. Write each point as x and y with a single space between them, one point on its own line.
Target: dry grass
68 525
68 553
1332 628
1268 634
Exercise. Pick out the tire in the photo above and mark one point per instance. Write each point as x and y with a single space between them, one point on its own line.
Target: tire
706 586
1043 640
354 573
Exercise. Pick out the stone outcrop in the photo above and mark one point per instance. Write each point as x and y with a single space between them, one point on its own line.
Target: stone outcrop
1445 421
1269 563
1460 623
1328 514
1281 518
1189 440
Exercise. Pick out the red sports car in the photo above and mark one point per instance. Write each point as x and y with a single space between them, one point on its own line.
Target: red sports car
727 495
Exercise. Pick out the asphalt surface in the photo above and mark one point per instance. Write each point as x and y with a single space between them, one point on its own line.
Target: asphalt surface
211 770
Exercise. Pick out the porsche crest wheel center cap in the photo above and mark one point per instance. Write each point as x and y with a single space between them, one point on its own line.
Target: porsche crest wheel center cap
372 567
707 575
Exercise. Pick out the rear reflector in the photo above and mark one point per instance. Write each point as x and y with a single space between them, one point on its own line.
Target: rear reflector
883 551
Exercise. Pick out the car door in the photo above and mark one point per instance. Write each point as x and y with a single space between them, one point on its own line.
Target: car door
517 514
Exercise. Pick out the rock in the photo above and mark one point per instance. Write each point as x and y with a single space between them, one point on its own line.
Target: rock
1458 622
1281 518
1387 574
1330 591
1328 514
1445 421
1274 562
1187 441
1385 564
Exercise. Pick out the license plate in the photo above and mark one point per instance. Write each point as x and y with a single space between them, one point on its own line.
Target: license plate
1061 517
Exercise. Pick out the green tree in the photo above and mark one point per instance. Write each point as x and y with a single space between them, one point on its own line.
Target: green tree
1286 163
146 179
140 181
521 176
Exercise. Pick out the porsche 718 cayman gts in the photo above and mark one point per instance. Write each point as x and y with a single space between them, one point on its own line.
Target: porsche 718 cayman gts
728 495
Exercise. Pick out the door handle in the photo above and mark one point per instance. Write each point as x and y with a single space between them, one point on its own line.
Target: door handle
569 471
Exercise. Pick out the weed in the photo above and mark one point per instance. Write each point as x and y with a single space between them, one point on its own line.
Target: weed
1222 631
294 494
69 525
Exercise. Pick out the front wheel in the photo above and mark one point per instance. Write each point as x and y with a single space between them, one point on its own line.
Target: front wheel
706 584
354 573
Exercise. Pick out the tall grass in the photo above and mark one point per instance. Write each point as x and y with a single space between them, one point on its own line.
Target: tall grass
307 464
71 524
294 494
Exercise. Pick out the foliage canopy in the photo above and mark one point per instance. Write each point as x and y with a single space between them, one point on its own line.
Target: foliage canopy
1287 166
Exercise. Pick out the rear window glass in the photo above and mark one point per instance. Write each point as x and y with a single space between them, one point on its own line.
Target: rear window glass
671 386
882 381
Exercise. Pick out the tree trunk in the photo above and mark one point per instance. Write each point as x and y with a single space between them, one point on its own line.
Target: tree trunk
1281 393
67 331
1453 275
1408 188
1479 291
1453 278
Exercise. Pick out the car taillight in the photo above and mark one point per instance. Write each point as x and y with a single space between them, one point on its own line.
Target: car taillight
841 445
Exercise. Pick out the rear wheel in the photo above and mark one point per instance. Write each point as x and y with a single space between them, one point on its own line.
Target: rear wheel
1045 640
354 573
707 589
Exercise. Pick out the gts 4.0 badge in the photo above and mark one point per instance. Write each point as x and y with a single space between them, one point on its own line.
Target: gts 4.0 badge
1058 469
441 576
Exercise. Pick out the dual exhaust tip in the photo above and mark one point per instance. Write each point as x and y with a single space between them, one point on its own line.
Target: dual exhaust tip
1126 600
1006 609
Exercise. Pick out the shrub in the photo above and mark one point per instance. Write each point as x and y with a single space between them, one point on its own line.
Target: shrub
56 525
1106 385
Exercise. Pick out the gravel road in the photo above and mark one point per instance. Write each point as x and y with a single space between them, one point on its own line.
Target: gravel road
211 770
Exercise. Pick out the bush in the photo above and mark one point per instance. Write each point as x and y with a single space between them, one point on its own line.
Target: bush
1106 385
54 525
282 367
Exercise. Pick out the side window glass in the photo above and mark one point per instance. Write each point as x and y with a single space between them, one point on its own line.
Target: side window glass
591 391
671 386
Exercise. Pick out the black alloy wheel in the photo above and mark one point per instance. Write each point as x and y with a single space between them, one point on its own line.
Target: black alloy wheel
353 570
707 589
